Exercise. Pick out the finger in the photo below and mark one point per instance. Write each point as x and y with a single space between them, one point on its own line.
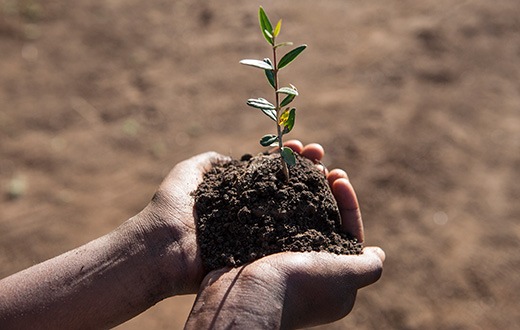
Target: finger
375 257
295 145
376 251
201 163
348 205
191 171
368 266
322 169
336 174
313 151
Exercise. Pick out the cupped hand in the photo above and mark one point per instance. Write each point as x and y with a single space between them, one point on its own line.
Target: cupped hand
169 224
341 189
286 290
169 221
289 290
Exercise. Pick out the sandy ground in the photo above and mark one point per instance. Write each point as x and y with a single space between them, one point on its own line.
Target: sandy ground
418 100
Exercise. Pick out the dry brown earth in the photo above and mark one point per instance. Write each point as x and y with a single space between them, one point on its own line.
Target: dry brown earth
418 100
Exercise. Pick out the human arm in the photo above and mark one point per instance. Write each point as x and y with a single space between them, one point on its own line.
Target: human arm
152 256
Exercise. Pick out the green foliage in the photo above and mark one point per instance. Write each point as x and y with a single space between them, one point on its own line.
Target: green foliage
288 156
290 56
291 93
277 111
264 105
268 140
265 26
257 64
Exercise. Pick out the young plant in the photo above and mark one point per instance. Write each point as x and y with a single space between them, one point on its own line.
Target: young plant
279 112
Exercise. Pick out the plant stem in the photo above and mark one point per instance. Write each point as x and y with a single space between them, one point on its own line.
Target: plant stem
278 113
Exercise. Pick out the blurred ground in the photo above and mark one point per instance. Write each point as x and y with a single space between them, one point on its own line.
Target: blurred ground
418 101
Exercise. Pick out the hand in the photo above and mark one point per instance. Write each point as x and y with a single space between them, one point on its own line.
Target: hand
169 226
289 290
341 189
285 290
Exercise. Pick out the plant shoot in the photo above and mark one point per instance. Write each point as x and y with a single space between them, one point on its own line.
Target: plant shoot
278 111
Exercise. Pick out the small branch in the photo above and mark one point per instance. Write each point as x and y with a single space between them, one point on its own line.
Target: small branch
278 113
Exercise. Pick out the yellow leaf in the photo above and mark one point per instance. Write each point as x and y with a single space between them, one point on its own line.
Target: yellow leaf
277 28
284 117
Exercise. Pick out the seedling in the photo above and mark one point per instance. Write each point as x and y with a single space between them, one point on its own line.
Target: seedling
279 112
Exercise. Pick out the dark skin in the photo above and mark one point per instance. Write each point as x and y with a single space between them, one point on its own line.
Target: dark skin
154 255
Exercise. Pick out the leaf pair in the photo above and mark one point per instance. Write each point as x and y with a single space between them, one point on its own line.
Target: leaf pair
267 29
271 140
284 61
286 121
270 35
287 117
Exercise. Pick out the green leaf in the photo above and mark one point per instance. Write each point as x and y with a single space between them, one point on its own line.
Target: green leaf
287 120
265 25
270 113
277 29
282 44
288 156
267 107
291 93
268 139
290 56
270 77
287 100
260 103
269 73
288 90
257 64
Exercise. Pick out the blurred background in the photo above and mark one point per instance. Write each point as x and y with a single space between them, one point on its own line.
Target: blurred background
418 100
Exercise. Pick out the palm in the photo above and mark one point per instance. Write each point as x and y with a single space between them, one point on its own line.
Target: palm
317 287
173 207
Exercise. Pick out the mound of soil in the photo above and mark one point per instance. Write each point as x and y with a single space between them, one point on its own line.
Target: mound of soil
246 211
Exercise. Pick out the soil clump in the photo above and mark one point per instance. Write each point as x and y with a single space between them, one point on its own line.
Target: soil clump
246 211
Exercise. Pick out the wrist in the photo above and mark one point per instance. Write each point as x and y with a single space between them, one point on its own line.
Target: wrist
169 253
239 299
142 258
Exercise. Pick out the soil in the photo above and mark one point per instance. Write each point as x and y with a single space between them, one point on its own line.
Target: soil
247 210
417 100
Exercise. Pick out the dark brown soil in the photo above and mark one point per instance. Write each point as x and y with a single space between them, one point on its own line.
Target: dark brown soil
246 210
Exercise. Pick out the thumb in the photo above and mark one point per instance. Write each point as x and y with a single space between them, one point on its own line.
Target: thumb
191 170
370 266
201 163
